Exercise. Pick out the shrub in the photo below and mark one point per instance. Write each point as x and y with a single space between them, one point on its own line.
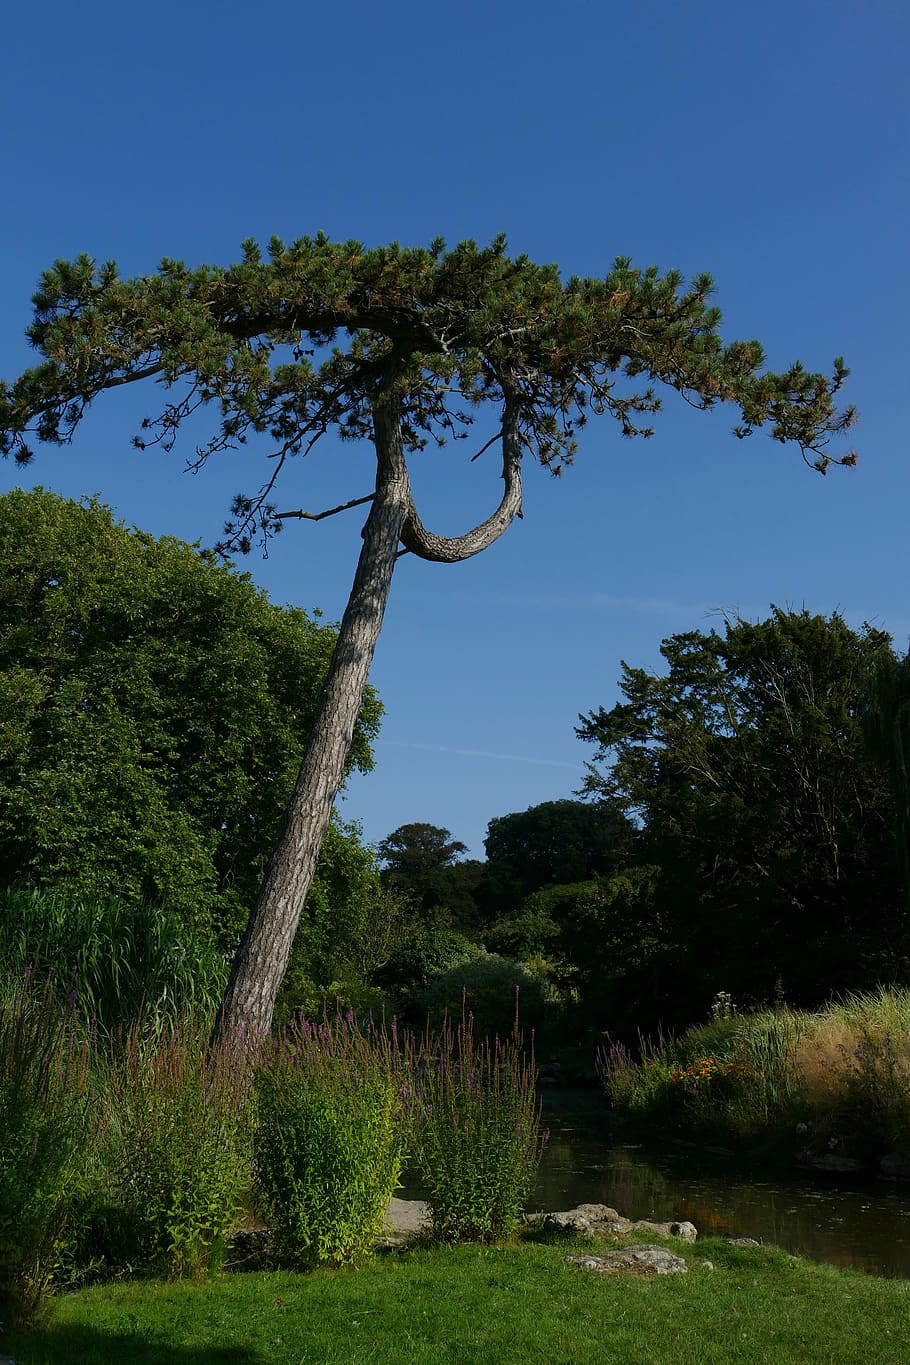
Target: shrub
489 987
477 1137
179 1153
45 1126
330 1139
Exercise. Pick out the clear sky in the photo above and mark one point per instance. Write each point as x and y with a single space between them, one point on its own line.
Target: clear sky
767 144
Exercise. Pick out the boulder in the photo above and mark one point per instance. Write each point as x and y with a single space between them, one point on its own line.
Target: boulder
570 1223
632 1260
894 1167
741 1242
593 1220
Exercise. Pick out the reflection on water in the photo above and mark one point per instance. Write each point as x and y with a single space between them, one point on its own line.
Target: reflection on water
866 1227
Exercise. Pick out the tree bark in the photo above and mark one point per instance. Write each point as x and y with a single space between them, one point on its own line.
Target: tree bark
262 958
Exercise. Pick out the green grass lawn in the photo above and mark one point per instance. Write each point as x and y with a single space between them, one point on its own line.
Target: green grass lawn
487 1304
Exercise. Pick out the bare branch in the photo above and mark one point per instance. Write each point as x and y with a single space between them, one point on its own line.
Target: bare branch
330 512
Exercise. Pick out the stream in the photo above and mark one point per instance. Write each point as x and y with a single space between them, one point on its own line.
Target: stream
848 1222
845 1221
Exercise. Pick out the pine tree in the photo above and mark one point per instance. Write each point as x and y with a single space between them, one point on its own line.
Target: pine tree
400 347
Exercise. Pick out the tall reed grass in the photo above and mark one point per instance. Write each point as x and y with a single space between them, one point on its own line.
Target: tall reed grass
838 1079
178 1146
47 1122
121 959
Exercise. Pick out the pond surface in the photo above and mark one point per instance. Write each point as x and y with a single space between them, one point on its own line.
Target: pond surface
861 1225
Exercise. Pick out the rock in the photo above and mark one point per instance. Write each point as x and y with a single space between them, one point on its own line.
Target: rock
741 1242
571 1223
592 1220
633 1260
405 1218
836 1164
894 1167
705 1265
685 1231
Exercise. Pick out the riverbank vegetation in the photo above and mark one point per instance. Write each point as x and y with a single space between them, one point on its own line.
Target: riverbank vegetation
830 1087
146 1149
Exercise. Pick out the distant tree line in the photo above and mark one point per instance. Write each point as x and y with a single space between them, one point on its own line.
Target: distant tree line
743 826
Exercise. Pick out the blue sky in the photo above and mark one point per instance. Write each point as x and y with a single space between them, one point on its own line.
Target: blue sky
766 144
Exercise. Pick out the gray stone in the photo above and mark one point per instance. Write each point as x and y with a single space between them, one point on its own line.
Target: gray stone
705 1265
741 1242
592 1220
405 1218
836 1164
571 1223
632 1260
686 1232
894 1167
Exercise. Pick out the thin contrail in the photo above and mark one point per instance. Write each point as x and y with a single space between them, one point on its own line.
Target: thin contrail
481 753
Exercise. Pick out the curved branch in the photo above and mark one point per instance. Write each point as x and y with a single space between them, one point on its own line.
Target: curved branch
449 549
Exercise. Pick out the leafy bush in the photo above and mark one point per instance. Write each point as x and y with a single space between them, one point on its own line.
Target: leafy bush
426 956
122 959
491 988
45 1128
330 1139
179 1154
477 1138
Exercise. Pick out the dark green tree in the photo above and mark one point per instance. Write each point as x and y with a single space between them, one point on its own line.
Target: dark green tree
418 860
154 705
886 724
744 764
555 843
399 347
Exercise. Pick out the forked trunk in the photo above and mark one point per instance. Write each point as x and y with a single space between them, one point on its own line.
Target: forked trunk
262 958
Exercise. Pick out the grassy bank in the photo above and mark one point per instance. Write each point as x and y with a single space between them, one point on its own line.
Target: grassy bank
479 1304
825 1086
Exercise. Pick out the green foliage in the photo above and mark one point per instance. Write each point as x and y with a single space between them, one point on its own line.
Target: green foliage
553 844
471 323
477 1132
46 1129
492 989
426 955
119 960
178 1147
330 1138
744 765
154 709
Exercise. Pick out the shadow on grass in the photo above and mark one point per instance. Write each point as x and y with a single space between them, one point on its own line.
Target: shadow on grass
80 1345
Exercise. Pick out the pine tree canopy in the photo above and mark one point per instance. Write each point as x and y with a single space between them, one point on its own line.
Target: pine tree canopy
319 333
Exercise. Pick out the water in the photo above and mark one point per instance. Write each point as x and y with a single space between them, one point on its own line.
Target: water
861 1225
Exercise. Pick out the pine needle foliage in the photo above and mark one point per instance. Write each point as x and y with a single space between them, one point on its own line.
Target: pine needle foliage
286 344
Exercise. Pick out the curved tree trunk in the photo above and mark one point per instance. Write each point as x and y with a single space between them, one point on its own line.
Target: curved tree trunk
262 957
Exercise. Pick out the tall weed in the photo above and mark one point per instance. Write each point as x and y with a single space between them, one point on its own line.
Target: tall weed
330 1140
179 1147
46 1124
477 1134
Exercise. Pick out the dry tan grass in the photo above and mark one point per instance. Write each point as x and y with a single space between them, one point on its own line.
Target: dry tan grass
823 1058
